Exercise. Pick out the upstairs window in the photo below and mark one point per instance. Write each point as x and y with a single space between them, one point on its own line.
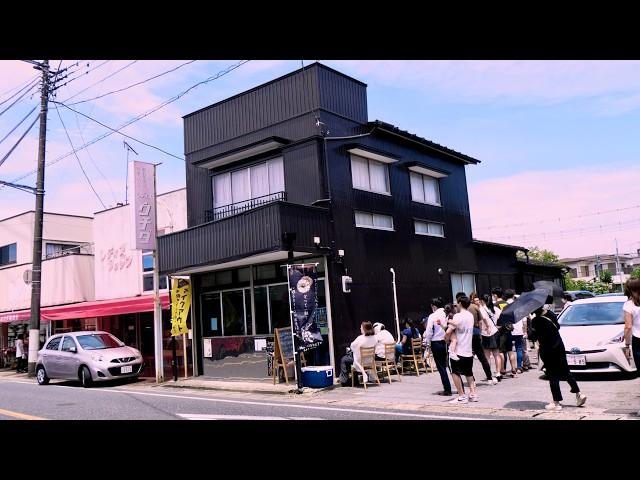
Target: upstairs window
8 254
425 189
432 229
369 175
57 249
374 220
260 181
147 275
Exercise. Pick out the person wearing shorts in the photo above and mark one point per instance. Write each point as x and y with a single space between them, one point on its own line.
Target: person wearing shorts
462 324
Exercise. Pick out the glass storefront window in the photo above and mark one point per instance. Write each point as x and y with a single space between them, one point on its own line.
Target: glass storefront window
233 312
279 300
211 315
262 310
247 310
243 274
265 272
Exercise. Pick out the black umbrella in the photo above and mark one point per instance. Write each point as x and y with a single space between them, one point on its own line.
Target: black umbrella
553 289
526 303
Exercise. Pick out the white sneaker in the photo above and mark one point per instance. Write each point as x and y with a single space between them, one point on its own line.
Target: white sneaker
494 381
581 399
459 400
473 398
554 407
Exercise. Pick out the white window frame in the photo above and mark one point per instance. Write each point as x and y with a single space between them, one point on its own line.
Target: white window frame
422 177
456 290
369 161
373 226
427 223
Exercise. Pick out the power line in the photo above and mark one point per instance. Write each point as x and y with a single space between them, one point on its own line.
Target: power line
123 134
30 84
19 123
133 85
22 85
559 219
3 159
17 100
100 81
140 117
77 158
94 163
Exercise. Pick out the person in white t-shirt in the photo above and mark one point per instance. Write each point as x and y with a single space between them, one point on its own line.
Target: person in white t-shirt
462 324
631 313
21 354
383 336
366 339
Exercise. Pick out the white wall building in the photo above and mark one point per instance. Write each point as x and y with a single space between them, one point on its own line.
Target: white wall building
584 268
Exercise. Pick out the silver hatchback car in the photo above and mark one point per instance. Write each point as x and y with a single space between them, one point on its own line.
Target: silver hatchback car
88 357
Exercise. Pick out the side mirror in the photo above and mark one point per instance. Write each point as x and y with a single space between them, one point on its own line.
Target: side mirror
73 349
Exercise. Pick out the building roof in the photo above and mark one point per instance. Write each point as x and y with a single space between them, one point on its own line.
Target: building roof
500 245
387 127
603 257
543 264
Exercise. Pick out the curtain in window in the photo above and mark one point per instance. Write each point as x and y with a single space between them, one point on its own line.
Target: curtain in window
431 190
360 172
421 227
53 249
364 219
468 283
378 176
417 187
240 186
222 190
456 285
382 221
436 229
276 175
259 180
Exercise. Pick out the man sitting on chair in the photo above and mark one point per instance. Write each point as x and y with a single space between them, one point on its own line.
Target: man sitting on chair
382 336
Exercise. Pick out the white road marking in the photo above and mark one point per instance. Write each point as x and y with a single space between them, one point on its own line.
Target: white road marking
270 404
203 416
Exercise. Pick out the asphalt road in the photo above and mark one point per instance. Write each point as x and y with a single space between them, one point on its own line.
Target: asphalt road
25 400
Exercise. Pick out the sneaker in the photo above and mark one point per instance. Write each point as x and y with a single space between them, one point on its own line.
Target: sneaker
499 378
581 399
473 398
554 407
494 381
458 400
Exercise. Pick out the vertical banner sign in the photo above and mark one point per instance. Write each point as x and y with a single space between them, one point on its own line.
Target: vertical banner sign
180 301
142 177
303 290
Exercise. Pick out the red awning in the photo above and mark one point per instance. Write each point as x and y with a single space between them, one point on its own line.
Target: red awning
99 308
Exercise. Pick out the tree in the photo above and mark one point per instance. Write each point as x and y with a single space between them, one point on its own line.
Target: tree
606 276
539 255
635 273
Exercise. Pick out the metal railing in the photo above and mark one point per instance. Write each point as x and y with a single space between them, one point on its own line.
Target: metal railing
240 207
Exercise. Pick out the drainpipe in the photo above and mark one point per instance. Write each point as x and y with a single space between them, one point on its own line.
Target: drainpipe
395 301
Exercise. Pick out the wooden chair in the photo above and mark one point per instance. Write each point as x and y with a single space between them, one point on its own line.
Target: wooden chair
415 357
368 362
389 362
277 365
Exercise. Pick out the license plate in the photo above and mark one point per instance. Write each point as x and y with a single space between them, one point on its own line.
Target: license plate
127 369
577 359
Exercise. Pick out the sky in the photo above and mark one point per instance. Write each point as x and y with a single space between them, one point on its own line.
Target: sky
557 140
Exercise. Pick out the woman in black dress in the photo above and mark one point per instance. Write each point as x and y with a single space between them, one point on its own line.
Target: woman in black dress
545 330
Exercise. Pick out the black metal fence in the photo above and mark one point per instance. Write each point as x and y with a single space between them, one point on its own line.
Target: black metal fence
245 205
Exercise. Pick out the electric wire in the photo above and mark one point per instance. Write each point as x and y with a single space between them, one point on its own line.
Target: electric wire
100 81
3 159
17 100
19 123
133 85
22 85
77 158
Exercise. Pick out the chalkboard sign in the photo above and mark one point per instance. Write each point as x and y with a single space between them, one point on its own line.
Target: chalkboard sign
283 351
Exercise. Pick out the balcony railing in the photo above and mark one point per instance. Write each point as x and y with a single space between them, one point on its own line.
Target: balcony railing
240 207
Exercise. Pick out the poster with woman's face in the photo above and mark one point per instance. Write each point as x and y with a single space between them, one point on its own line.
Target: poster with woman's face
303 288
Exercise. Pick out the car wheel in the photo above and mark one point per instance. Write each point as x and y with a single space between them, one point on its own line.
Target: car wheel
85 377
41 376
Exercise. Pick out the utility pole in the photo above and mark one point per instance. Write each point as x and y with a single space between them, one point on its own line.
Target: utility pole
34 322
618 268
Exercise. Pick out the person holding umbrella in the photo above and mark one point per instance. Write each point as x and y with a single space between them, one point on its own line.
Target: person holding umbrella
552 352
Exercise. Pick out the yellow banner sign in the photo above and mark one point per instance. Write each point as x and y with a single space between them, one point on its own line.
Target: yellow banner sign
180 302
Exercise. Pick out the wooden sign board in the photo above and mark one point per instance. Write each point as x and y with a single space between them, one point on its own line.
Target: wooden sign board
283 351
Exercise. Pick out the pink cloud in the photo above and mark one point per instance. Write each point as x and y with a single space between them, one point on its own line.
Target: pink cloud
558 210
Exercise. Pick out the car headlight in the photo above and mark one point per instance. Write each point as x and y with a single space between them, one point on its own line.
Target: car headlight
616 339
97 358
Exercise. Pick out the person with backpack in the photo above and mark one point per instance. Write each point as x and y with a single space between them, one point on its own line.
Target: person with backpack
433 338
545 330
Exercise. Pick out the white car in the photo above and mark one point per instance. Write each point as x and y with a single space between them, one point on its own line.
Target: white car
592 331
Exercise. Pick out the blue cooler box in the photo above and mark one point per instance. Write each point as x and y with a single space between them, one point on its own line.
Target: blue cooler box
317 377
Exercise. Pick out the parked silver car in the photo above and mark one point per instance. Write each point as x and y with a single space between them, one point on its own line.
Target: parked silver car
88 357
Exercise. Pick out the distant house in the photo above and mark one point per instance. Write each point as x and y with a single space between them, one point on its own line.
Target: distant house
589 268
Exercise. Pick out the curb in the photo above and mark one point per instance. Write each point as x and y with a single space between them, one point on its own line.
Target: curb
268 391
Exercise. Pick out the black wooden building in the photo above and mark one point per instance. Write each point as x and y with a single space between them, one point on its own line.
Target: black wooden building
295 165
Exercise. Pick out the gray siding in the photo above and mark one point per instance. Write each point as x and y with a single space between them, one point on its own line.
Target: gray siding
199 194
303 91
302 175
256 231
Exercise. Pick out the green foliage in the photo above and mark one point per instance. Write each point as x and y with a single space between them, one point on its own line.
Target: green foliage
595 287
606 276
539 255
635 273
